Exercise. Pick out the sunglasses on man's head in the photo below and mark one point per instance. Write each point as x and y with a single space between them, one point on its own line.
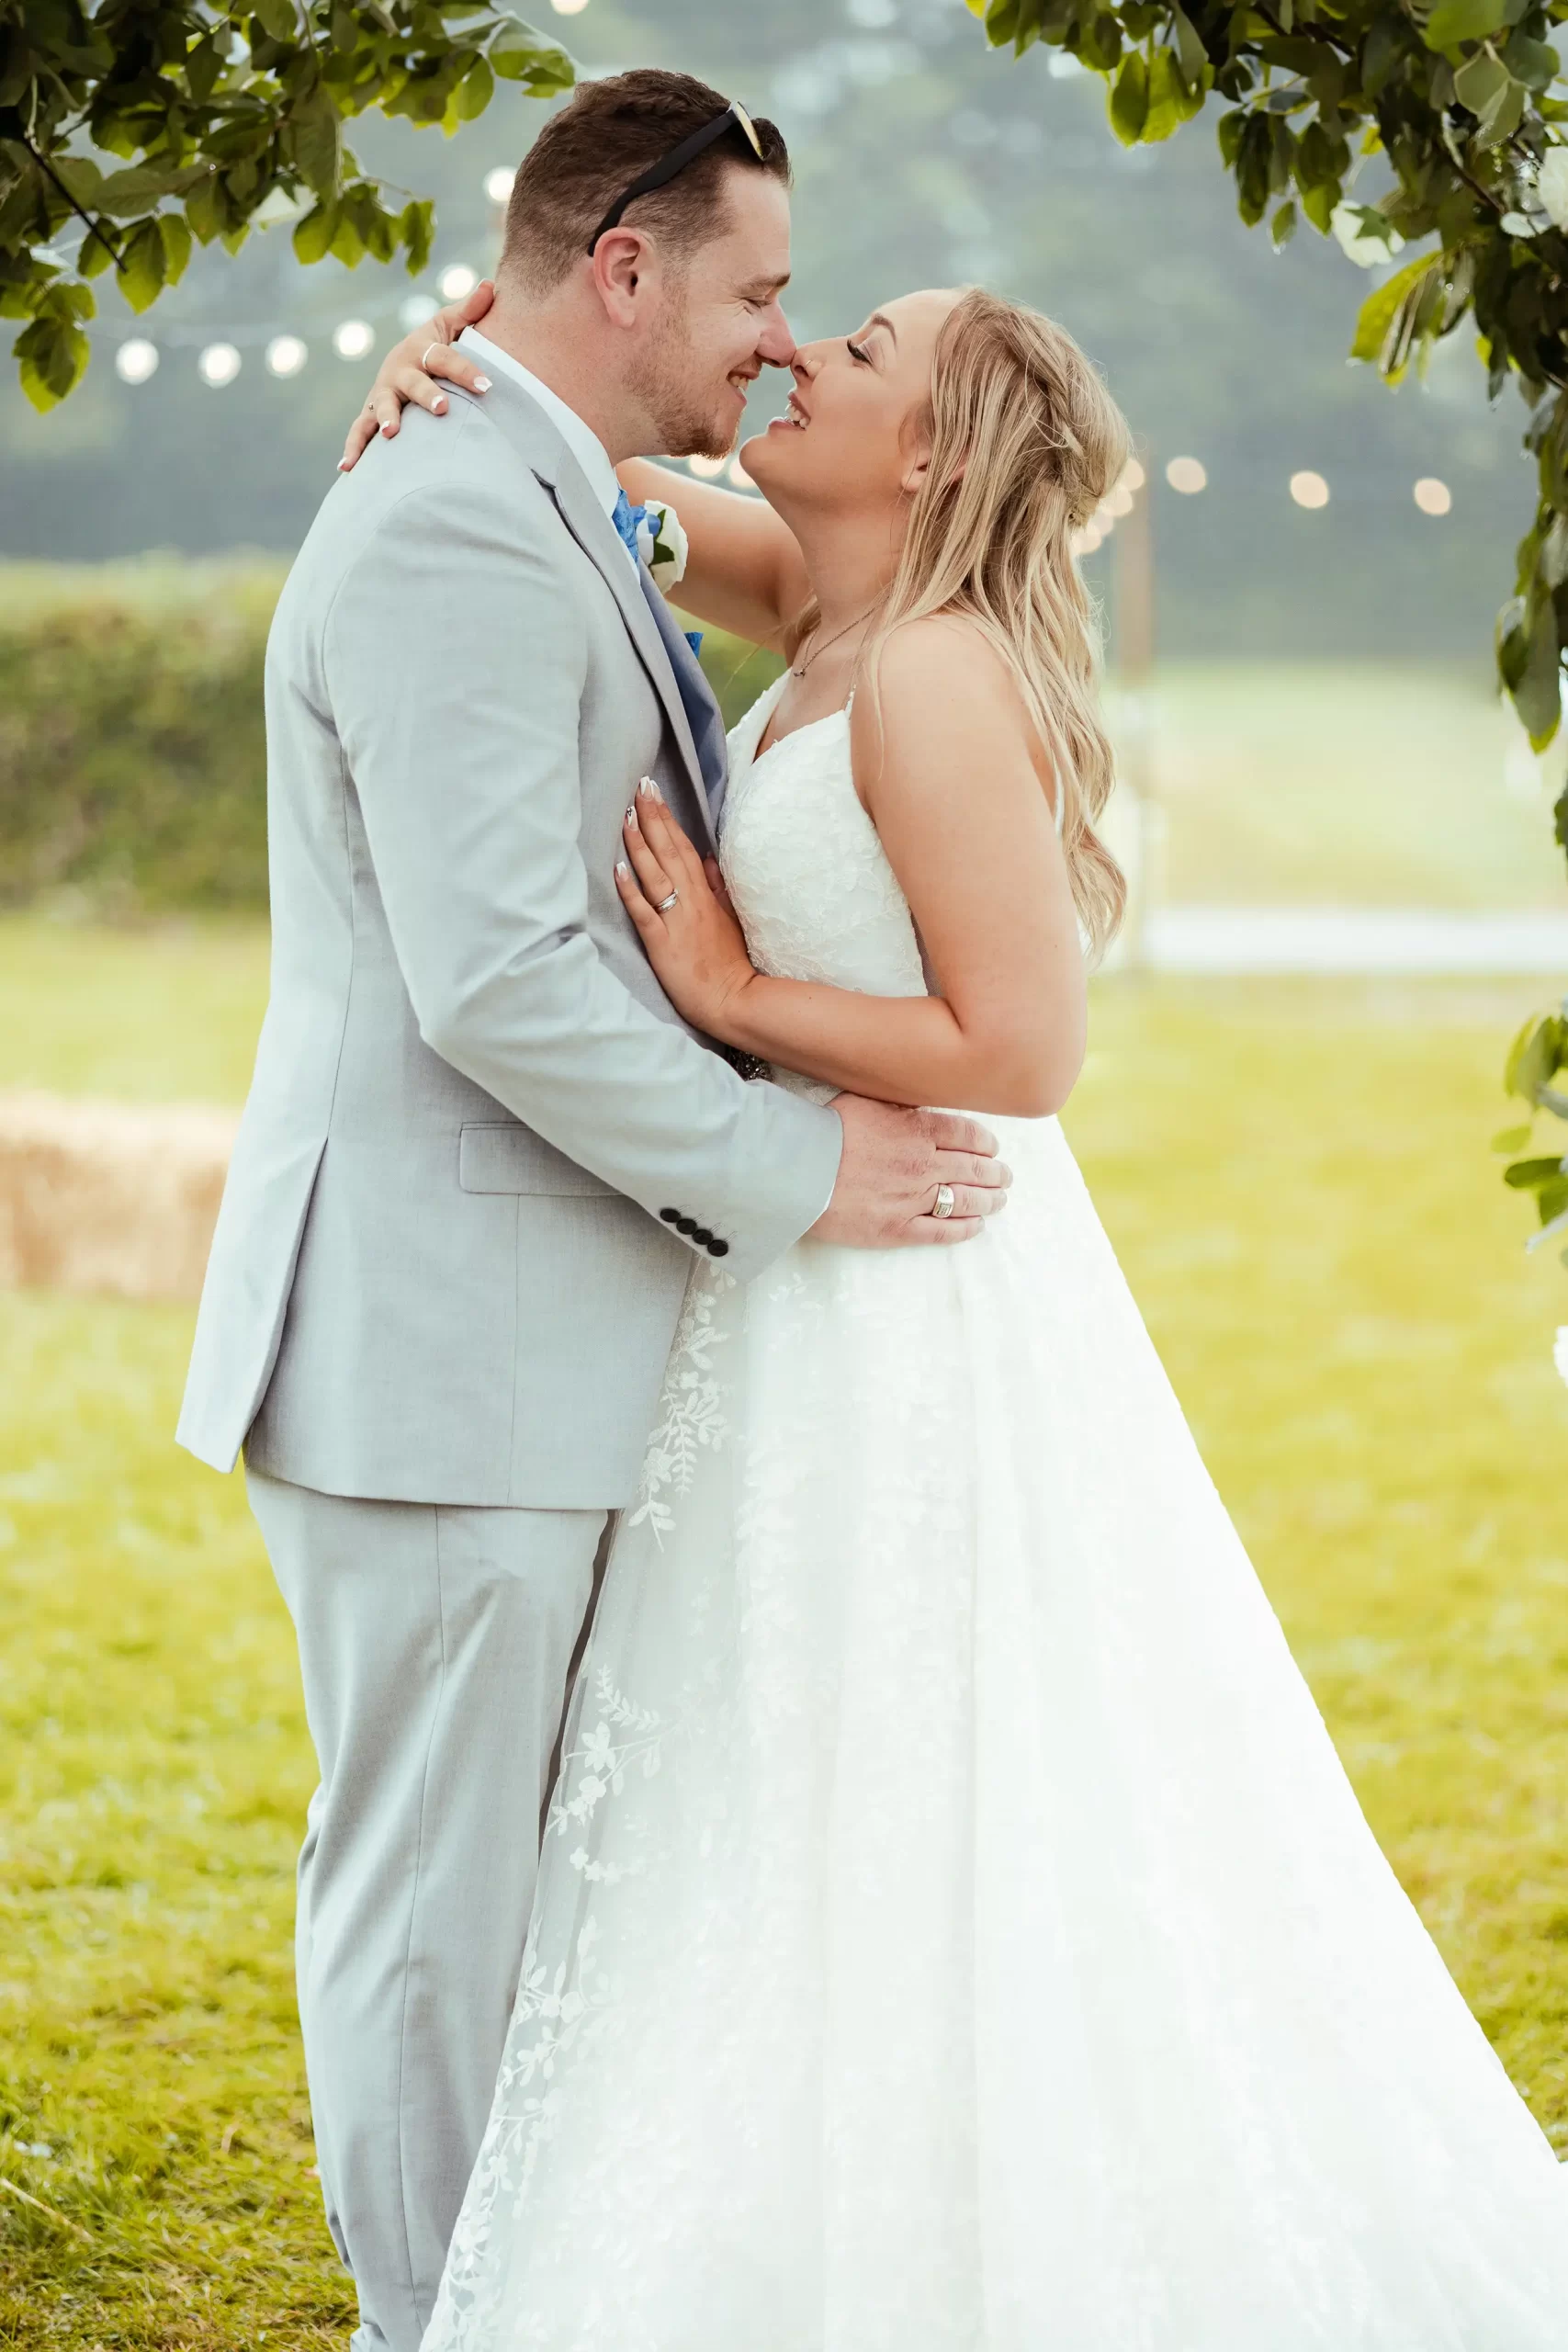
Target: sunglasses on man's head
734 117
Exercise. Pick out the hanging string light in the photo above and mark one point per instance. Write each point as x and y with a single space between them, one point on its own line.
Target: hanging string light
1188 475
1432 496
457 282
218 365
498 184
286 355
353 339
1309 489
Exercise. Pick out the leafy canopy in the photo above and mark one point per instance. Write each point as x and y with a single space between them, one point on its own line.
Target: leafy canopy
1453 106
215 114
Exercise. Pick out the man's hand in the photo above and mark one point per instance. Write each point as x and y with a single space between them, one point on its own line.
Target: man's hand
893 1162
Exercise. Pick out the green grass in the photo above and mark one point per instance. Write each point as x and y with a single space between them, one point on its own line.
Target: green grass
1344 783
1297 1181
169 1013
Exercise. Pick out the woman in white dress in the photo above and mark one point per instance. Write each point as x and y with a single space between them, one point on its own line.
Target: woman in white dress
955 1932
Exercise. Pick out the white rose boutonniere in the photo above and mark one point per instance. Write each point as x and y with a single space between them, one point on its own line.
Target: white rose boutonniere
662 544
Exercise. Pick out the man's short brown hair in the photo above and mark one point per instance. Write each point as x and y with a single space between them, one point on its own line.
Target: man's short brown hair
607 135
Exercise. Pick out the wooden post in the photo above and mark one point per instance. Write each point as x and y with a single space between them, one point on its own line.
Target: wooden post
1133 588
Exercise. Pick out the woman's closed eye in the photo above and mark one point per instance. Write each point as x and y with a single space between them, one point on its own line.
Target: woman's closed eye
857 351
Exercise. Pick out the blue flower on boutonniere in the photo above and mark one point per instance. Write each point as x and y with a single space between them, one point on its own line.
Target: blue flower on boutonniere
693 638
661 543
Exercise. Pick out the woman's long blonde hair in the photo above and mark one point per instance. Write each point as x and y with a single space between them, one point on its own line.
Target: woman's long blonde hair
1025 441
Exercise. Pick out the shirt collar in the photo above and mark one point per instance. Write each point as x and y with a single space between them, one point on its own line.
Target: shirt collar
580 438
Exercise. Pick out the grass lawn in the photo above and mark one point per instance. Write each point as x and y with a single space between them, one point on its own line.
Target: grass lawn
1296 1176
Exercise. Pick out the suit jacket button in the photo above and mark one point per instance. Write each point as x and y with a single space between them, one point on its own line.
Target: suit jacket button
670 1217
704 1236
718 1248
686 1224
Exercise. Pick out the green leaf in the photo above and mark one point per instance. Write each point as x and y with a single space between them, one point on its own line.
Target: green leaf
1375 320
1511 1138
1535 1057
1453 22
1528 1175
476 89
136 190
51 355
1537 689
1479 80
278 17
417 230
175 231
144 265
314 234
1534 62
1282 227
1191 54
1129 102
317 135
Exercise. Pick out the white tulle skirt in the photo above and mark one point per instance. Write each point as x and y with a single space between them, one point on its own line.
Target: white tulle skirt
956 1927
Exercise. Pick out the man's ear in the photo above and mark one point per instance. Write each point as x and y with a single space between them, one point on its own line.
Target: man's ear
622 266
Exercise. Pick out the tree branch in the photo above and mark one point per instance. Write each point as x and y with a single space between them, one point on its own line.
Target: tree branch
93 228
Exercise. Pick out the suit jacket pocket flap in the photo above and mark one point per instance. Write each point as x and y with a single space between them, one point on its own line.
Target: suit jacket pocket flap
513 1159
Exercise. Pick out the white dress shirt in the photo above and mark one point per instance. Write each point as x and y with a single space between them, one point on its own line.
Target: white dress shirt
580 438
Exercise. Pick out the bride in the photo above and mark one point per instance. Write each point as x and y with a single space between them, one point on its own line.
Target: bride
955 1930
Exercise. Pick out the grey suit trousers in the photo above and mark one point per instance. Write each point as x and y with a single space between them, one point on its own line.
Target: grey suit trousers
435 1643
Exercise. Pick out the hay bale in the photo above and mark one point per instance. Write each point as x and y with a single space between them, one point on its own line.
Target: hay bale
108 1197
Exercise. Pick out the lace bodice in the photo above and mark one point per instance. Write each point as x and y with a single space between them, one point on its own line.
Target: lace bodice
807 873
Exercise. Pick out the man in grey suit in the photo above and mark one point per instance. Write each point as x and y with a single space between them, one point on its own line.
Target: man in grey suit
480 1148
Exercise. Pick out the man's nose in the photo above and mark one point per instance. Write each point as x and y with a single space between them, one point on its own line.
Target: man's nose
775 343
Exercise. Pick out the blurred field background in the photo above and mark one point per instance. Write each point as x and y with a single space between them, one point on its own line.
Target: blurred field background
1296 1176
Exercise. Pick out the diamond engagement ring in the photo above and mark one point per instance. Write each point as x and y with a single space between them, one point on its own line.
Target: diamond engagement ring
665 904
943 1200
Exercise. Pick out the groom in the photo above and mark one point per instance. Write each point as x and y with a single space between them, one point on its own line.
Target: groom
480 1150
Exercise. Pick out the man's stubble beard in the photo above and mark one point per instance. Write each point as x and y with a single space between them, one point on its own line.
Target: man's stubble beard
662 382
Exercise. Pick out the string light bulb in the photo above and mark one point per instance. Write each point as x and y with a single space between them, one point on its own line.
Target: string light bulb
499 184
218 365
706 468
1432 496
286 355
353 339
137 360
1188 475
457 282
1309 489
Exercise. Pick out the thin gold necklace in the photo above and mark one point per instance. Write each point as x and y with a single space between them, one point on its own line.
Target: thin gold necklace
801 670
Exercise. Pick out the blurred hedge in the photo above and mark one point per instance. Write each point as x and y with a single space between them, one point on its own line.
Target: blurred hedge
133 753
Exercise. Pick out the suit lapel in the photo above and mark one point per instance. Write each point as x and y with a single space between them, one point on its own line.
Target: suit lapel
525 424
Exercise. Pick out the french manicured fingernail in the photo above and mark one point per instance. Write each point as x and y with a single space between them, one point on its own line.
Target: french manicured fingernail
437 408
621 866
631 819
650 786
481 383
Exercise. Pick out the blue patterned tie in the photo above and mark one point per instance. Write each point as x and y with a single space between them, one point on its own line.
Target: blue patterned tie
626 519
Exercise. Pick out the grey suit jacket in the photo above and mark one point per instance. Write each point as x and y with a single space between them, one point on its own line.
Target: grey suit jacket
479 1148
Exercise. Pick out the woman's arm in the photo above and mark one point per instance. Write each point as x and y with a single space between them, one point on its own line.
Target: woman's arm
960 802
744 571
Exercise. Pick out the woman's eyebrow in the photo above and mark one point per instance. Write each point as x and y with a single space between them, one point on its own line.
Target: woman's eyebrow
881 319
